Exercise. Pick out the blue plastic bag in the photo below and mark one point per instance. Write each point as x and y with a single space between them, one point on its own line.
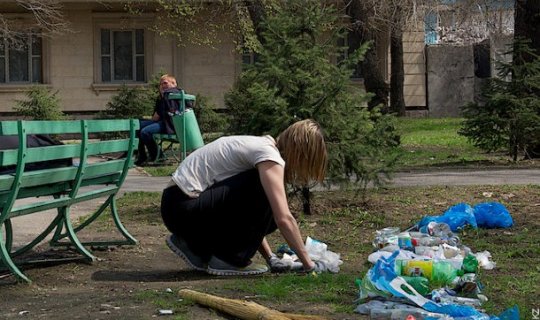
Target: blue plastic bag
457 217
492 215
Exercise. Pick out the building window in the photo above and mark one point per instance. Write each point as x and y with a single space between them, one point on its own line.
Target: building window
21 59
122 55
351 43
248 56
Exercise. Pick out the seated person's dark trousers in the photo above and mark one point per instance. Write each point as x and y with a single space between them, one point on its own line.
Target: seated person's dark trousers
228 220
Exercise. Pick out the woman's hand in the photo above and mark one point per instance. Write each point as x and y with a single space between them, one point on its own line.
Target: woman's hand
319 267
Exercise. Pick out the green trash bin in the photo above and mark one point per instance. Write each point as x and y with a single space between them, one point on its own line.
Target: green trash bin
187 130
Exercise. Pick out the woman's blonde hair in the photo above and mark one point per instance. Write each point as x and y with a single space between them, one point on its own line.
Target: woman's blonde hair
303 148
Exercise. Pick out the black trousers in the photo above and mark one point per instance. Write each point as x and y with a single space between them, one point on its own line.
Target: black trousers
228 220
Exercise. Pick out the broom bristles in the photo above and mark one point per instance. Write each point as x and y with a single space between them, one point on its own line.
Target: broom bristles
246 310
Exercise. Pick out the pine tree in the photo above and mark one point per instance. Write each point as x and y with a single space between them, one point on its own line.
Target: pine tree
294 78
510 118
41 104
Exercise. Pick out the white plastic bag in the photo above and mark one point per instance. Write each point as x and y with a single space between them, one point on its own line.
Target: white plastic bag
318 251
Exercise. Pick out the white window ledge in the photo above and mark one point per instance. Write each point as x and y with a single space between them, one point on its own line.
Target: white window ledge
99 87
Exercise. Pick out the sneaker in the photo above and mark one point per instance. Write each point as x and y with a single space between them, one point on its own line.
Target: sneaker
178 246
219 267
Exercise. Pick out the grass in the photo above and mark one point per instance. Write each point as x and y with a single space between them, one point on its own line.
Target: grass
348 225
425 143
436 142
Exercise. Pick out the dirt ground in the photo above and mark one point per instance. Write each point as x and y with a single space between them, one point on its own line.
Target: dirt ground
128 282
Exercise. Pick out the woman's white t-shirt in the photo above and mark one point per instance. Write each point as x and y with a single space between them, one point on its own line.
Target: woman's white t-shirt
222 159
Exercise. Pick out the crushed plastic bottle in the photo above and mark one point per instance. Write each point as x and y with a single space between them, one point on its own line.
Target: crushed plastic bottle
444 296
385 237
442 231
426 241
468 285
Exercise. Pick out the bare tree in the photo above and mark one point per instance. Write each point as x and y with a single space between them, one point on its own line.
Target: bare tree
366 28
471 21
376 17
48 18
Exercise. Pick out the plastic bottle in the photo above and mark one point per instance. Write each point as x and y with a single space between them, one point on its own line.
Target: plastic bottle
404 241
385 237
437 272
427 241
442 296
420 284
440 230
425 251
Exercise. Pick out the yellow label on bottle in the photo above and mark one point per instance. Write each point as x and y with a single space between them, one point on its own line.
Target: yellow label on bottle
418 268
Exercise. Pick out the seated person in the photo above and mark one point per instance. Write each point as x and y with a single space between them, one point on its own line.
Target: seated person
161 120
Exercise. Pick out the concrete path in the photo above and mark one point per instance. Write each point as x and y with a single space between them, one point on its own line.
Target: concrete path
27 227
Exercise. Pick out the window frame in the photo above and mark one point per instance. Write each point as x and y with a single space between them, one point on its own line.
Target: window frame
119 22
18 86
134 55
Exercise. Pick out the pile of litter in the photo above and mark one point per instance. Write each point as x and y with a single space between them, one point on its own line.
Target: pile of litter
425 272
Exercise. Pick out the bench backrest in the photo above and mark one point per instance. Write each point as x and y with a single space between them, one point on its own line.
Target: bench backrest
64 180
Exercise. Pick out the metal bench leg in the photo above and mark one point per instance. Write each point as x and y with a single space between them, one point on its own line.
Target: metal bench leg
110 202
160 156
70 231
114 212
6 258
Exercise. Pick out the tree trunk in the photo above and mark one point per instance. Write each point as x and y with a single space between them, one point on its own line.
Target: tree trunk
374 80
397 73
527 26
527 22
256 13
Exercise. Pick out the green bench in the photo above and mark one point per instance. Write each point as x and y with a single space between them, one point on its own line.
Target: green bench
101 169
169 144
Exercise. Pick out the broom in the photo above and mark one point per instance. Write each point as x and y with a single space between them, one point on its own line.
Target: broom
245 310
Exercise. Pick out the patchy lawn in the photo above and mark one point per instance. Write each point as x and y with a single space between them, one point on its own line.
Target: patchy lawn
133 282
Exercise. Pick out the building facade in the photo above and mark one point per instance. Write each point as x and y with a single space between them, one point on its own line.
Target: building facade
106 48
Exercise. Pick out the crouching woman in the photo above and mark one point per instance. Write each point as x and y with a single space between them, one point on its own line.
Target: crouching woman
225 197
